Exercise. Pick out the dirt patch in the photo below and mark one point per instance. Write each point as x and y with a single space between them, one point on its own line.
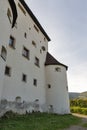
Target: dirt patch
79 126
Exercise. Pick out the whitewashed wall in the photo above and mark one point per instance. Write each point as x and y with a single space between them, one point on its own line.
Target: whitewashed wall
14 86
5 29
57 95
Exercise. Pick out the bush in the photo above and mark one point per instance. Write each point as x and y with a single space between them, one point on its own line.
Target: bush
79 102
79 110
84 111
9 114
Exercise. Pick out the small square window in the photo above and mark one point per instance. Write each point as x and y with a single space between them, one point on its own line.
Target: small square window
24 77
35 82
36 28
12 42
33 43
7 71
57 69
25 35
25 53
49 86
36 61
43 48
3 53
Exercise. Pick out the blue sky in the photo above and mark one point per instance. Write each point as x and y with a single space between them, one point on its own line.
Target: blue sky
65 21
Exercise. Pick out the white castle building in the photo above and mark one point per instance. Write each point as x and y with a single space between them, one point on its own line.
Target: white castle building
31 79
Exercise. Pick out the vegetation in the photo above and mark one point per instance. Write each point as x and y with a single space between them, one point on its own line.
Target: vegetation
84 125
36 121
79 110
79 106
79 102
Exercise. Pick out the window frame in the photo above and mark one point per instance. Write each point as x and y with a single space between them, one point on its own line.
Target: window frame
24 78
37 62
3 53
43 48
35 82
58 69
34 43
25 35
12 42
26 53
8 71
49 86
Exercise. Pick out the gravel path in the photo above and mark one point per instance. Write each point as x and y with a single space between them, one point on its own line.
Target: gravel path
79 127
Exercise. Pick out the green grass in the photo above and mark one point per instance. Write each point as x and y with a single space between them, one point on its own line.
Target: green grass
37 121
85 125
79 110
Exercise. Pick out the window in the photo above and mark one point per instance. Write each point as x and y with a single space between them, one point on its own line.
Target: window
9 15
12 42
25 53
44 39
24 77
29 28
36 28
36 100
35 82
18 99
51 108
58 69
33 43
22 9
43 48
25 35
3 53
36 61
67 88
40 51
7 71
49 86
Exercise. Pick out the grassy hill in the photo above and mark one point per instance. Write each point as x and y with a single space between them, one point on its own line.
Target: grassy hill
84 94
73 95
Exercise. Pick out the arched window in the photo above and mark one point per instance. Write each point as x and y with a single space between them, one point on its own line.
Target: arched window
3 53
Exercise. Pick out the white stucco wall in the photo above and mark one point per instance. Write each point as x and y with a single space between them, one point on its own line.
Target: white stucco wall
13 86
5 29
2 67
57 95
